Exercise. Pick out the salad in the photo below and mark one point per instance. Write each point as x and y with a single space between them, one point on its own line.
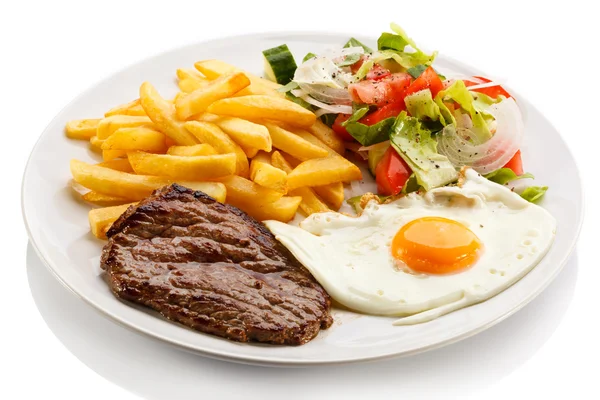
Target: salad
415 127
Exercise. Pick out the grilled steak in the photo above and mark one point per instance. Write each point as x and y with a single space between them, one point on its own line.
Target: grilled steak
212 267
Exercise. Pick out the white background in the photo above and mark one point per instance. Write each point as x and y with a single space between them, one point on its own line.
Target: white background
52 345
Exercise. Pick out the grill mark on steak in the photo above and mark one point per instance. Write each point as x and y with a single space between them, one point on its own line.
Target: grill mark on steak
213 268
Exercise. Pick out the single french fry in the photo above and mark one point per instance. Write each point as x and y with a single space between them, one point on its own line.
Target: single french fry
82 128
243 193
104 200
250 151
192 168
131 186
202 149
96 143
311 203
138 138
199 100
333 194
266 175
189 85
122 165
323 171
278 161
309 137
293 144
163 115
188 73
264 107
327 136
108 125
132 108
209 133
101 219
245 133
212 69
108 155
282 210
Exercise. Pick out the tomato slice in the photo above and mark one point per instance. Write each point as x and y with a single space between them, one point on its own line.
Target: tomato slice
339 129
492 91
378 73
516 163
389 89
391 173
387 111
429 79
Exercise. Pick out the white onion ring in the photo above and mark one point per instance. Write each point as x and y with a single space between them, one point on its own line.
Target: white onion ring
336 108
494 153
327 94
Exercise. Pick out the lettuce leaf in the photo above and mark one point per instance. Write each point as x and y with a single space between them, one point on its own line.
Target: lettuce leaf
308 56
406 60
290 86
504 175
534 193
411 185
416 146
421 106
368 135
356 43
350 59
459 93
364 69
299 101
393 46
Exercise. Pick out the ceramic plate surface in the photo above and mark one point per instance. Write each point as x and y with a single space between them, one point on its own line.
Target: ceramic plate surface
58 227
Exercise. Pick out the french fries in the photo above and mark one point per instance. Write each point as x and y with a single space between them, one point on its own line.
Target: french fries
132 108
282 210
327 136
264 107
227 133
82 128
265 174
211 134
192 168
119 165
333 194
131 186
293 144
246 194
199 100
108 155
139 138
103 200
108 125
311 203
163 115
247 134
188 73
323 171
212 69
101 219
202 149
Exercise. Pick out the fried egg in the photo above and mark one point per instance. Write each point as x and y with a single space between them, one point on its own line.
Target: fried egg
423 255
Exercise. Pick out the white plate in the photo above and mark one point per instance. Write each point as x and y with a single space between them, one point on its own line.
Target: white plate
58 227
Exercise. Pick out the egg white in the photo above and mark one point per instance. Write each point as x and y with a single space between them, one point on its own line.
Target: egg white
351 256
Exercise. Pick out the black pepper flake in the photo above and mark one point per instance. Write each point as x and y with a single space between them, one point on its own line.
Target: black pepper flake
481 226
437 166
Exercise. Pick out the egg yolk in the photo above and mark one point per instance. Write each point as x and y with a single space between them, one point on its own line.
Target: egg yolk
436 245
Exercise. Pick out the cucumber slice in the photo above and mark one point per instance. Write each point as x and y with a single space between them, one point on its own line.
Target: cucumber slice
279 64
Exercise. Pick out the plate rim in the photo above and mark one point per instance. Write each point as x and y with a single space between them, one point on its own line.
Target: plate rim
268 360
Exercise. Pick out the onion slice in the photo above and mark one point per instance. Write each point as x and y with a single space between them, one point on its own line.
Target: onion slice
337 108
494 153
